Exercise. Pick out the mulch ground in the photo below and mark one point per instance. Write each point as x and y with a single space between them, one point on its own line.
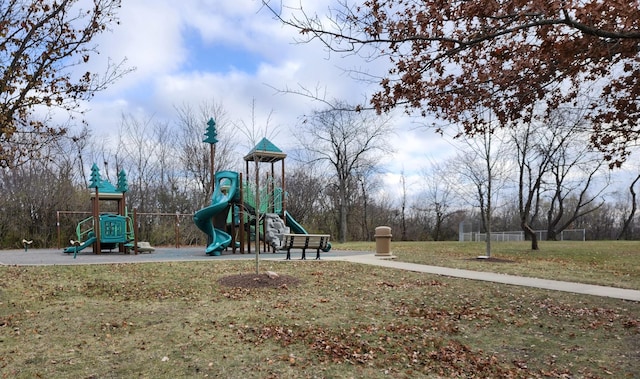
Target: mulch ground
258 281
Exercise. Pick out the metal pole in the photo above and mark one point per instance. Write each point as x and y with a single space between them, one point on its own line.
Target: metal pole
177 229
96 223
282 195
249 229
58 227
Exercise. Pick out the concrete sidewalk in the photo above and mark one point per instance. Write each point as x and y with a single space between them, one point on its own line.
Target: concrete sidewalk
57 257
556 285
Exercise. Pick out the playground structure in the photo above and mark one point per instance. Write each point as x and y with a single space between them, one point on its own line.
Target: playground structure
106 230
240 212
240 209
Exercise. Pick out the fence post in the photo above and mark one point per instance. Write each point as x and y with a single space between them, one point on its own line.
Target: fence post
177 229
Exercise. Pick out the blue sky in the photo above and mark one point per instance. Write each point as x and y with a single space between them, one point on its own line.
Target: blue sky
234 52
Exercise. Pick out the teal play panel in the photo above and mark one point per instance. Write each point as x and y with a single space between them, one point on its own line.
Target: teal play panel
114 229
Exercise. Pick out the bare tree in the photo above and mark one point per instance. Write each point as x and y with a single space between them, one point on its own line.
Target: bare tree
307 198
346 141
437 198
482 169
254 129
578 184
43 45
194 153
536 147
170 190
403 206
446 57
367 181
137 153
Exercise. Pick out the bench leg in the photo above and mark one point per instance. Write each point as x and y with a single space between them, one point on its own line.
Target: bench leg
318 254
303 255
288 255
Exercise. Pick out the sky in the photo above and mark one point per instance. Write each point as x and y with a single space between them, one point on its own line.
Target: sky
236 53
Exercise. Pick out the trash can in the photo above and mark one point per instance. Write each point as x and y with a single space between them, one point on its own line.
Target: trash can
383 241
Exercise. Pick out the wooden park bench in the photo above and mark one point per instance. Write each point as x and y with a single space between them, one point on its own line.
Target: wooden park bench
304 242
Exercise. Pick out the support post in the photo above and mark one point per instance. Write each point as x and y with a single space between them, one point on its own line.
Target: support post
135 231
177 229
97 249
242 215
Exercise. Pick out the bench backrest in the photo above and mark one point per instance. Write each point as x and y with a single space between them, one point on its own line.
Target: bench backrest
314 241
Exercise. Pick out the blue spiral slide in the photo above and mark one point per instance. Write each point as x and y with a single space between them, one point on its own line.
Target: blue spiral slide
212 219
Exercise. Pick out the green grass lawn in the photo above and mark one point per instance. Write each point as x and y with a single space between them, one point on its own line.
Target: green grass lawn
343 320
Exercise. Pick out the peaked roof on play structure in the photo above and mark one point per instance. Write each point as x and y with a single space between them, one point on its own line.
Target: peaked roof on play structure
106 187
265 151
106 190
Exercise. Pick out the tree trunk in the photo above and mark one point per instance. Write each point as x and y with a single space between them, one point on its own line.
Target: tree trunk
343 222
528 232
627 221
344 209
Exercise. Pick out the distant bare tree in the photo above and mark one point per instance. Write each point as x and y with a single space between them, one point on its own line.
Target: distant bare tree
363 202
536 147
194 153
481 167
579 177
437 198
403 206
257 127
346 141
305 194
136 153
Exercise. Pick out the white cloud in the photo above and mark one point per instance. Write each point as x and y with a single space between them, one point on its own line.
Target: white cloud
168 42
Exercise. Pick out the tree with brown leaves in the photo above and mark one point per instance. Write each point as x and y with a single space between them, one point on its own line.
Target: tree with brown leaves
43 45
521 59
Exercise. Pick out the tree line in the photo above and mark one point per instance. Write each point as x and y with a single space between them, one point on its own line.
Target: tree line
545 96
542 174
486 67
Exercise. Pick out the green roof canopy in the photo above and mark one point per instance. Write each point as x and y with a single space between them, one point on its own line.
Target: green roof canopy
265 151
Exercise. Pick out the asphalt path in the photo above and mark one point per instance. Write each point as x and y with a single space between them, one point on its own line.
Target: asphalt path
43 257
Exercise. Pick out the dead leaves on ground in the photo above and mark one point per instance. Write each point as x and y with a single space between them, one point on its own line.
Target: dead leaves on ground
337 314
412 346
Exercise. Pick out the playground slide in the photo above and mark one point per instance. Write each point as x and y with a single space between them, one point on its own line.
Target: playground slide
72 249
225 193
293 224
218 239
